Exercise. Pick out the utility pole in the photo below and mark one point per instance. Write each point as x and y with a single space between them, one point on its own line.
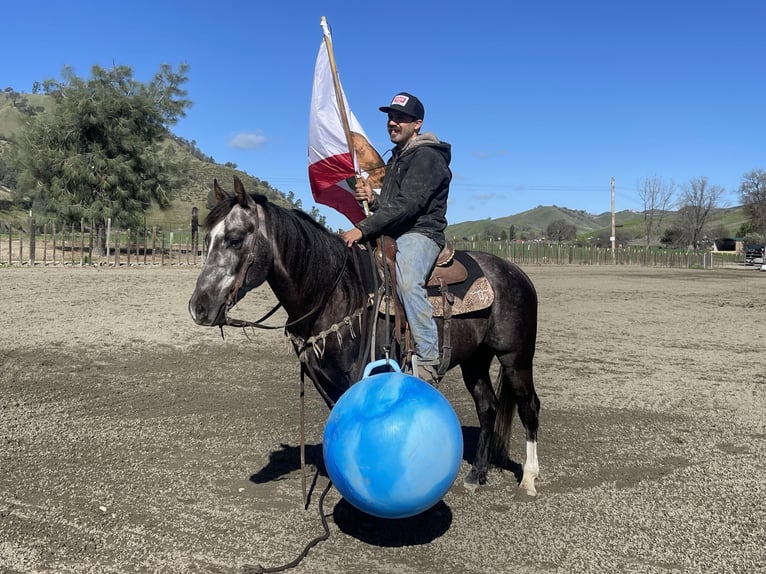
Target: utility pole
612 238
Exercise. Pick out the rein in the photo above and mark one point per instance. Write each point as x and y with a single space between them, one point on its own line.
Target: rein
232 322
315 342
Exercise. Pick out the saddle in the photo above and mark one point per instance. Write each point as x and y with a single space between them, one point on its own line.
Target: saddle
456 286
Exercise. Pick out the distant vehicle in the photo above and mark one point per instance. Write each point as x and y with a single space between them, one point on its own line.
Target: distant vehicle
754 254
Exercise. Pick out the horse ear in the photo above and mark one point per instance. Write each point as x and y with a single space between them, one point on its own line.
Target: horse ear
220 194
239 189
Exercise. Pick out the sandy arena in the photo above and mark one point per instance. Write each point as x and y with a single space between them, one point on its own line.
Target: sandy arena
134 441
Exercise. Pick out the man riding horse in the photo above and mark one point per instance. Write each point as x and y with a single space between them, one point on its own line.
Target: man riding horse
412 209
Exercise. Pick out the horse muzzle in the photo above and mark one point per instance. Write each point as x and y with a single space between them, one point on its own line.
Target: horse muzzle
206 314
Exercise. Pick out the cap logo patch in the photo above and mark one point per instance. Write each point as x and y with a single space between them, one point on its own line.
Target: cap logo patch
400 100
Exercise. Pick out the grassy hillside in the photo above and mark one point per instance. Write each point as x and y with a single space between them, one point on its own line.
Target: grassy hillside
533 223
194 192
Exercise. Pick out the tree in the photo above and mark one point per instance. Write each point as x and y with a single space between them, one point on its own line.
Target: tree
752 193
317 216
560 230
97 154
698 198
656 196
673 237
491 232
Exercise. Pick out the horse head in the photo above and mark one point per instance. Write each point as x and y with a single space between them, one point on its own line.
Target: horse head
235 261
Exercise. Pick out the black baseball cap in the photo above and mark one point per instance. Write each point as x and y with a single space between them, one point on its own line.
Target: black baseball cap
406 104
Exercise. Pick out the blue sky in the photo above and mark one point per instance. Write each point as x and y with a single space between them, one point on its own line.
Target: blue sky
543 101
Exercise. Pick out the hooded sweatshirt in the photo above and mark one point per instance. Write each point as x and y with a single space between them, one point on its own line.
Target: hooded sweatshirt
414 194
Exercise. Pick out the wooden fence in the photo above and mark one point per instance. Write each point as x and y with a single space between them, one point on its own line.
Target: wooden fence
51 244
77 245
535 253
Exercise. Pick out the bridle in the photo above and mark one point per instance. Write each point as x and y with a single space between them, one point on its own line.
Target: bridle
239 282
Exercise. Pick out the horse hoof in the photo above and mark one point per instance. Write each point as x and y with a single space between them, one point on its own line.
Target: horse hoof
473 480
526 492
470 486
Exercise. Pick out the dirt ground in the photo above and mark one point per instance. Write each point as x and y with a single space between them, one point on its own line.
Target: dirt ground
132 440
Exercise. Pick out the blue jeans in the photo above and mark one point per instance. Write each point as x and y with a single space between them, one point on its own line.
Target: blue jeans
415 258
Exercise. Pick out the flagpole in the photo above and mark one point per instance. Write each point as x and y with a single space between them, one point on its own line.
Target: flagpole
339 98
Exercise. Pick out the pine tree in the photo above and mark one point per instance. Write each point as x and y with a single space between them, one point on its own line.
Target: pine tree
98 153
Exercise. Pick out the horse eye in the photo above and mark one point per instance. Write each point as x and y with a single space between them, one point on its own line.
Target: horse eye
235 243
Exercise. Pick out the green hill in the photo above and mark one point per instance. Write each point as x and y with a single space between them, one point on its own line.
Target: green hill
202 170
193 193
533 223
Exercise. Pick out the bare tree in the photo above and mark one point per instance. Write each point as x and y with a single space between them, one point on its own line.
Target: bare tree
560 230
752 193
657 197
698 198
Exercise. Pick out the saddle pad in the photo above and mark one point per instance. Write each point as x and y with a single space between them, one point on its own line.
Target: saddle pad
473 294
479 296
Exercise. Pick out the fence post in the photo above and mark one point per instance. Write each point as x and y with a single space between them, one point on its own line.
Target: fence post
82 241
154 243
195 233
10 244
45 243
53 237
32 233
108 237
117 235
99 231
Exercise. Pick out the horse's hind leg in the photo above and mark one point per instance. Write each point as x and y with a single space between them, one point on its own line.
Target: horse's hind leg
477 381
517 389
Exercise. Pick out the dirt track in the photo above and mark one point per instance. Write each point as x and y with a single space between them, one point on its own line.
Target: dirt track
132 440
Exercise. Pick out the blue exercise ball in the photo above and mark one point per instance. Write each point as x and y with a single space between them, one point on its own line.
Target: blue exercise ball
392 444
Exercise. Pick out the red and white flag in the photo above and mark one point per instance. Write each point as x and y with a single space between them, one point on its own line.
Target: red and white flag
331 165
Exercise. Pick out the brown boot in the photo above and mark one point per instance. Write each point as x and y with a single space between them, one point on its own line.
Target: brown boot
430 374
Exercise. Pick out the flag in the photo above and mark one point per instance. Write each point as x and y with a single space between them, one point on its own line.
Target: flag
332 167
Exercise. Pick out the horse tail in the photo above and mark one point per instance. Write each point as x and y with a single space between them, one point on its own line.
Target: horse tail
506 407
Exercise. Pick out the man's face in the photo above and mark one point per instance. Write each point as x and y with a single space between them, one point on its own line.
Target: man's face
402 128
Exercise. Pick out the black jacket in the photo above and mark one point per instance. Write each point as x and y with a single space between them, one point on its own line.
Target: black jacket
414 193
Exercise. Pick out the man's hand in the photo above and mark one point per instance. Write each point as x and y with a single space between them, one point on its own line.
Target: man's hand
363 191
351 236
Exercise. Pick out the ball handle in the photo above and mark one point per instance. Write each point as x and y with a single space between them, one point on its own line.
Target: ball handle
391 364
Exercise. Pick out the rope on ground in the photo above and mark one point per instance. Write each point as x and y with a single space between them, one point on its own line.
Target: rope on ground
258 569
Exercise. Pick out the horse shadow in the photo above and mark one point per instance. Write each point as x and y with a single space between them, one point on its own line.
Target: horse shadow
286 459
416 530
